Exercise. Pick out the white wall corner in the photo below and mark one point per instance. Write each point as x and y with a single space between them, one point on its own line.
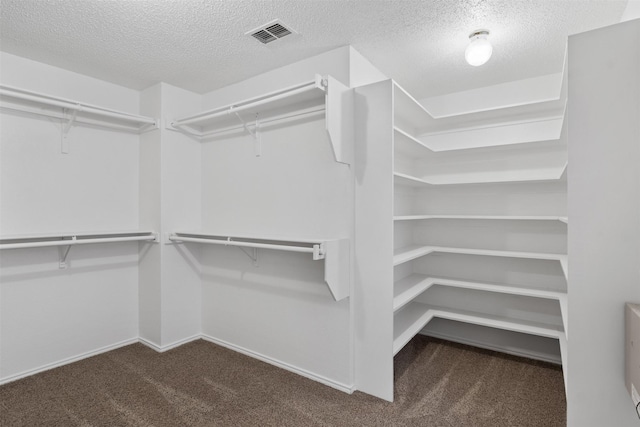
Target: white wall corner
632 11
362 71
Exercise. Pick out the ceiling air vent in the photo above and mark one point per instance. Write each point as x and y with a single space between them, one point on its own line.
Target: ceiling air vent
270 31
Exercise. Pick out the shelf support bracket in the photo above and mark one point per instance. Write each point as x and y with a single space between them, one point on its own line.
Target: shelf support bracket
67 127
253 255
63 251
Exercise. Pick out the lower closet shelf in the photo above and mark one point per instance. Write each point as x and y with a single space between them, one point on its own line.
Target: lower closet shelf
405 290
414 316
335 252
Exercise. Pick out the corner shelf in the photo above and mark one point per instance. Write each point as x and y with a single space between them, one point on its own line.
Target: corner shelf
335 252
407 144
415 316
323 94
409 288
73 111
562 219
418 117
547 176
410 253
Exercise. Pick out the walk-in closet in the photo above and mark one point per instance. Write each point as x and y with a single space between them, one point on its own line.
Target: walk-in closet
267 215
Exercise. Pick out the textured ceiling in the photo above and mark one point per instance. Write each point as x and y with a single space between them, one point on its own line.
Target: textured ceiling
201 46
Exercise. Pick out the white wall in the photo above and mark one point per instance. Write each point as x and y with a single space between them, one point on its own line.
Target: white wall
49 315
604 212
181 185
169 278
632 11
280 310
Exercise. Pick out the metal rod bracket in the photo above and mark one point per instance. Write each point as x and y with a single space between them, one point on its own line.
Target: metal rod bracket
318 251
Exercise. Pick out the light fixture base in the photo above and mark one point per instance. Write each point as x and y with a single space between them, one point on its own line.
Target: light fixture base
477 33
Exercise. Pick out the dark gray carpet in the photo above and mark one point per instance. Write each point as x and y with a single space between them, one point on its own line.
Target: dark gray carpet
200 384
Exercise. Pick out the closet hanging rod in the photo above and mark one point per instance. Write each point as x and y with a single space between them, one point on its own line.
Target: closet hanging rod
27 95
235 108
74 241
315 249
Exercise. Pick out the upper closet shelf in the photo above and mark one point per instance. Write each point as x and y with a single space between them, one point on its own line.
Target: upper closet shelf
71 239
457 114
335 252
72 111
67 240
323 94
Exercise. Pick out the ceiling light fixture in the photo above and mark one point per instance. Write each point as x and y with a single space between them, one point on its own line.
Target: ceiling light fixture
479 50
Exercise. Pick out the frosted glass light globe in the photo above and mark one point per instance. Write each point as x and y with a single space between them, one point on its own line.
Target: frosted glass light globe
479 50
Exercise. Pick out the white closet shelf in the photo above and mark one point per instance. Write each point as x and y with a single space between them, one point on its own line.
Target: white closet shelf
409 253
61 240
72 239
323 94
415 316
407 289
563 219
510 133
335 252
262 105
496 178
73 111
410 112
519 133
409 145
420 120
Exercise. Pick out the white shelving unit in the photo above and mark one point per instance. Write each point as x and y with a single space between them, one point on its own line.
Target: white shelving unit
492 151
320 95
420 137
334 252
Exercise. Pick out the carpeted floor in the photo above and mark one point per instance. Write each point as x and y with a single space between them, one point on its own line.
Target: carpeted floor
200 384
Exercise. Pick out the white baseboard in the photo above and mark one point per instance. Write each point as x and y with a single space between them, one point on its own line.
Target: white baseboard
514 352
66 361
162 349
304 373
